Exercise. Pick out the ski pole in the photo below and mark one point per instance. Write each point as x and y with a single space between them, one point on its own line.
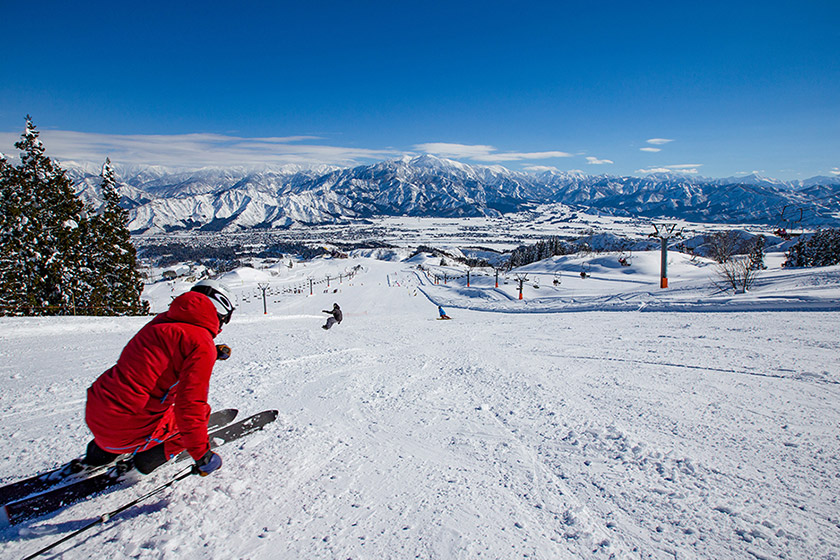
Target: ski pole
105 517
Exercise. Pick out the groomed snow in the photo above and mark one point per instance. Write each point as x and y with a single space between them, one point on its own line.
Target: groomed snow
612 419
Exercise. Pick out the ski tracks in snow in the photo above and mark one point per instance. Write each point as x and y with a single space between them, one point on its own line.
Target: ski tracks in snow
495 435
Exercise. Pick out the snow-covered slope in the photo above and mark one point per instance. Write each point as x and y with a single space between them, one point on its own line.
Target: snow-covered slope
498 434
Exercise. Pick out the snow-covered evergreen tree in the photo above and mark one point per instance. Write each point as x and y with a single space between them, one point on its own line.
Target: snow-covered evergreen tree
819 249
53 258
39 232
756 254
15 276
113 257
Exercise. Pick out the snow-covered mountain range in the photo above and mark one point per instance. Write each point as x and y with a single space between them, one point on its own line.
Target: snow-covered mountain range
240 198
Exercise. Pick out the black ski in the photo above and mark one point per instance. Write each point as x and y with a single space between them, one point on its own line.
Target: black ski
69 472
57 498
221 418
237 430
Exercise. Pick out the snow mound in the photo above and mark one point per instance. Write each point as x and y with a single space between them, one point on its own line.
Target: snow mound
244 276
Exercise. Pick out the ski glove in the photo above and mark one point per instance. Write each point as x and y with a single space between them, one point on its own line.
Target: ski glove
208 463
222 351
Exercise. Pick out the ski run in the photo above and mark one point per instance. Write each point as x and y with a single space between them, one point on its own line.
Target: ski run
598 417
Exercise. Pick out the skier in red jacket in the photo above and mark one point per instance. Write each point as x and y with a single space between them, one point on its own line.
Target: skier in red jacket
153 403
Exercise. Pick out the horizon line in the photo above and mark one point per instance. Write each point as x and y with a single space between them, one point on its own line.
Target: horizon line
208 151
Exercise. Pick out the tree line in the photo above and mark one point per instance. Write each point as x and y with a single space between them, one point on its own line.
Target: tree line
541 250
820 249
59 256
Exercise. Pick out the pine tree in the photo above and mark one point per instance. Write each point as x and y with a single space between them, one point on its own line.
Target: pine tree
39 232
53 258
819 249
756 254
14 278
113 256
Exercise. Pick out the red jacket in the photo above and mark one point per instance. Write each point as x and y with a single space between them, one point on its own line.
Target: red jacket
163 371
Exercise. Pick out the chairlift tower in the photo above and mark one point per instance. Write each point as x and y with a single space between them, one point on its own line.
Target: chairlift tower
521 279
665 231
264 286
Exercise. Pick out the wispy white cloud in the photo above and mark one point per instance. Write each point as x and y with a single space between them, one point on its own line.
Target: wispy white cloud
689 168
480 152
516 156
835 171
651 149
196 150
540 168
458 151
595 161
684 166
659 141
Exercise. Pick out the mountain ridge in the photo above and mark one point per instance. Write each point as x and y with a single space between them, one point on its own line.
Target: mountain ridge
246 197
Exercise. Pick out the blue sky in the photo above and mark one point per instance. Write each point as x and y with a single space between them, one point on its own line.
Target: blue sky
712 88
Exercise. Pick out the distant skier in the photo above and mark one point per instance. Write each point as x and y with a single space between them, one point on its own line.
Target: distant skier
153 403
442 313
336 317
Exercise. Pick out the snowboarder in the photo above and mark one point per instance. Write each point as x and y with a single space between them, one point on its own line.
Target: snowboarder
336 317
152 404
442 313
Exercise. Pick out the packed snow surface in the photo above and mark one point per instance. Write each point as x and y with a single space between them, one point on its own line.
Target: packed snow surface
598 417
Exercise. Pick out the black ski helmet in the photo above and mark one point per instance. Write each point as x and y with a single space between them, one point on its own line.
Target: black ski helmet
219 295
